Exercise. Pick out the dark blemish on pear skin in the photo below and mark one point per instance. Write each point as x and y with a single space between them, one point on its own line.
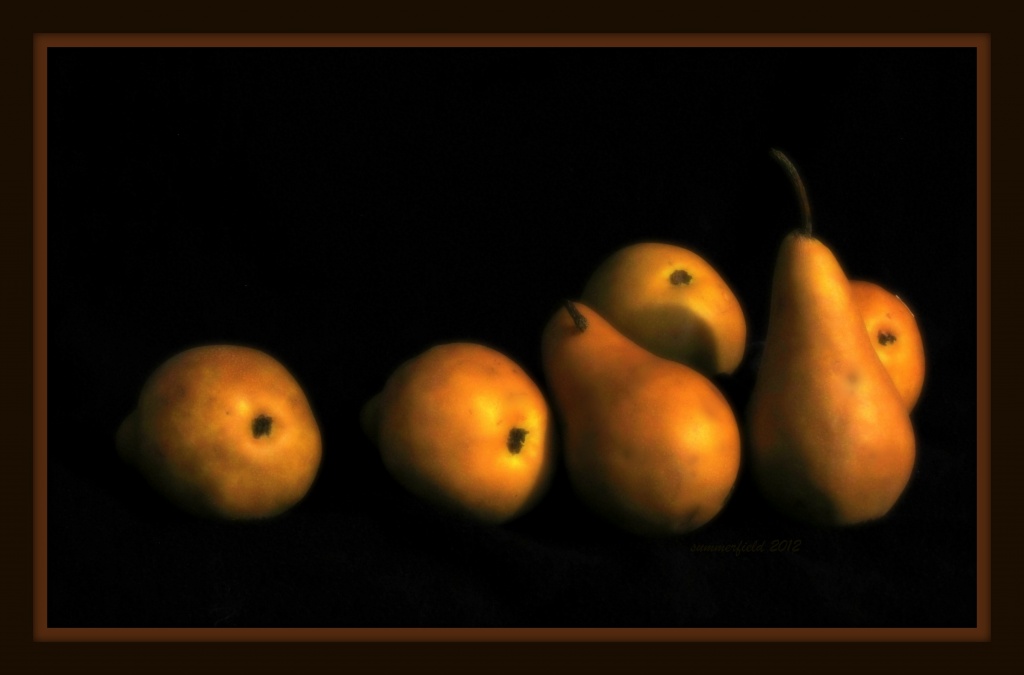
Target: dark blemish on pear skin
516 438
261 426
680 278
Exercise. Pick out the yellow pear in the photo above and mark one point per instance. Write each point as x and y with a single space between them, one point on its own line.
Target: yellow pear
672 302
224 431
894 335
464 427
650 444
831 439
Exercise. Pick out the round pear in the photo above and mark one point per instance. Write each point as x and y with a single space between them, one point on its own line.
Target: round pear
672 302
224 431
464 427
895 336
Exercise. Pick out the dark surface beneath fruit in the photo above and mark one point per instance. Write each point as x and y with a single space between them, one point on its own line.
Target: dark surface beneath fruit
344 210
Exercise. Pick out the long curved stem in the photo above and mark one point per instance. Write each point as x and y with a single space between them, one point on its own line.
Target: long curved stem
801 190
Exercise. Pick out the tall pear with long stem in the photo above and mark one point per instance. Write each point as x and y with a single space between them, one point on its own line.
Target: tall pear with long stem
831 440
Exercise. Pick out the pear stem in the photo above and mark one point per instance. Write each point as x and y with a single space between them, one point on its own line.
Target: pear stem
801 190
577 316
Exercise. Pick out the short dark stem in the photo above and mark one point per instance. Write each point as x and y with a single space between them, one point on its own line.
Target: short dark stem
577 317
801 190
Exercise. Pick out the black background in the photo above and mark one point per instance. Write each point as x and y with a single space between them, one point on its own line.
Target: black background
345 209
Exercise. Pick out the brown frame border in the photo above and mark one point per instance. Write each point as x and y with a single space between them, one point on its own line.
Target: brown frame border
981 41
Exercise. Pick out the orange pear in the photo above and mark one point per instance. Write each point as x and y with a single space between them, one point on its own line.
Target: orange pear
672 302
830 437
649 443
464 427
895 336
224 431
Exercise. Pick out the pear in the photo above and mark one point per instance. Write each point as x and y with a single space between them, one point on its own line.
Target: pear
672 302
463 427
223 431
895 336
650 444
831 439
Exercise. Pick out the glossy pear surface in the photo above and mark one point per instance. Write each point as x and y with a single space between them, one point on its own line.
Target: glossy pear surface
895 335
649 443
464 427
672 302
830 437
224 431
